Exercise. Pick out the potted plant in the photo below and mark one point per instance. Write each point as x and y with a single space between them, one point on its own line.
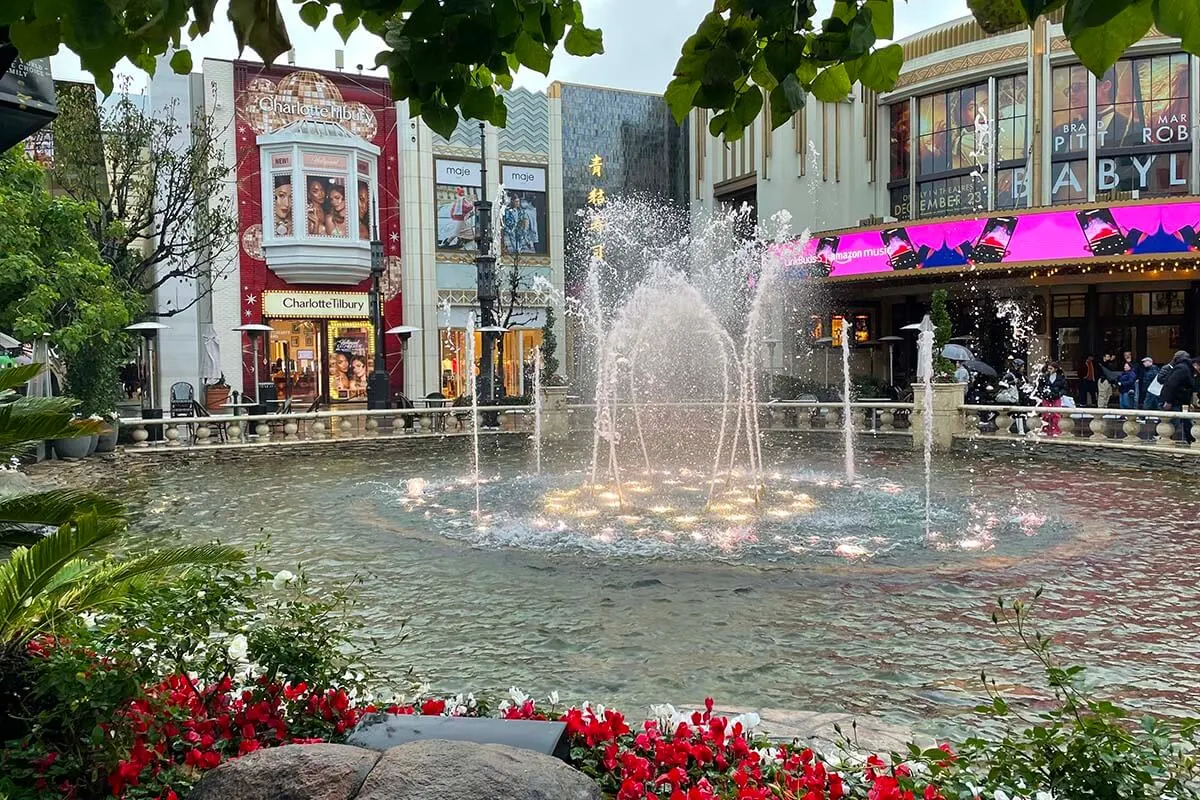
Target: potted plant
107 440
216 395
93 379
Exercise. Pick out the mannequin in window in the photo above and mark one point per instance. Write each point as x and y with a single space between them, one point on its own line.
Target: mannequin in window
316 206
335 217
283 205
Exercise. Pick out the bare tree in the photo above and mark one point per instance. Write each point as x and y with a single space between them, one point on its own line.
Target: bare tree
156 180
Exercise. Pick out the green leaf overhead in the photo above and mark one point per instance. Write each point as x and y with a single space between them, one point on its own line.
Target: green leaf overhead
435 49
1101 32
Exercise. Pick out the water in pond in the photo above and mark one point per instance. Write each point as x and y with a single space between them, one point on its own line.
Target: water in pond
823 596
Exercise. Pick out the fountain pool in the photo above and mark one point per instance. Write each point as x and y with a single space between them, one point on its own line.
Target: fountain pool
824 596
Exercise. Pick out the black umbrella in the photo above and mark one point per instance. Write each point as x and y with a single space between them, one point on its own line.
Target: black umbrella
982 368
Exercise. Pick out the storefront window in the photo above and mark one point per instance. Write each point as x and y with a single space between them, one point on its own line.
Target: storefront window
350 347
294 354
328 207
1012 142
1143 129
950 153
1069 137
515 359
899 140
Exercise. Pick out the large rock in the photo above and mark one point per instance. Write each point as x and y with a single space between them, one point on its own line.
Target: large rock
294 772
435 769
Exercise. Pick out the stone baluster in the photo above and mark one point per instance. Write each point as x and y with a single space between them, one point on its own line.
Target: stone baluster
372 426
234 431
887 420
203 434
1132 428
171 434
1097 425
1004 419
973 421
1165 430
290 429
262 430
345 428
318 428
139 436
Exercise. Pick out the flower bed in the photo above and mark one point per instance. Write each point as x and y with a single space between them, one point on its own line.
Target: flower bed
142 703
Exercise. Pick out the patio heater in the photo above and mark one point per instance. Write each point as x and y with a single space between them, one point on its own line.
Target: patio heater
891 344
254 330
146 355
826 342
404 333
149 332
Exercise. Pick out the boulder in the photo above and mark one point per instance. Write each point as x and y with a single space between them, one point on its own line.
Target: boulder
436 769
293 772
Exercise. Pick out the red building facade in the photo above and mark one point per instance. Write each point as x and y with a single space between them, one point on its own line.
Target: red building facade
317 180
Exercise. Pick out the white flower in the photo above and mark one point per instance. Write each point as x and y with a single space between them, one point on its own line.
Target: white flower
749 721
89 619
553 698
518 697
282 579
200 595
423 690
238 648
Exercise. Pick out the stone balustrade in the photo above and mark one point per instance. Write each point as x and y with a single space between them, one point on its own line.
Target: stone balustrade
229 430
1091 426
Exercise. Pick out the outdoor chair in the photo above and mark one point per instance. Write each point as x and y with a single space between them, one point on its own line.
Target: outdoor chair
182 404
437 422
219 428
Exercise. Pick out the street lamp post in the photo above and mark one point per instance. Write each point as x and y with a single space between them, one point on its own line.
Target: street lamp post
378 385
485 284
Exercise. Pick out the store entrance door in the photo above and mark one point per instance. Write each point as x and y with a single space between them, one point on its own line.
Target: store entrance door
295 355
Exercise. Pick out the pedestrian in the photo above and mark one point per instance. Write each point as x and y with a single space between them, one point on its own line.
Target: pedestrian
1177 393
1147 399
1087 396
1127 382
1051 388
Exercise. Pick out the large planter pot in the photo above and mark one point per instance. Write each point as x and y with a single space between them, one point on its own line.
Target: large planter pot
107 441
215 397
72 448
94 440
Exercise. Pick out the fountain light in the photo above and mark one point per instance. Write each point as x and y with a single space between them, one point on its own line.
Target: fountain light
851 550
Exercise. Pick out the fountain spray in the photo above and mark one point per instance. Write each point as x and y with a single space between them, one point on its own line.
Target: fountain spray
847 411
537 408
925 343
474 402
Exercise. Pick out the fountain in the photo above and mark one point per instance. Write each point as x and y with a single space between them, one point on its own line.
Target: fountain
847 411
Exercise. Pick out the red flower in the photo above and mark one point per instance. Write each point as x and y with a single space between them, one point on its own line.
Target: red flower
433 707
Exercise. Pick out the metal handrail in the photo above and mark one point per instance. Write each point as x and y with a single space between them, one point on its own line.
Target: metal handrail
226 419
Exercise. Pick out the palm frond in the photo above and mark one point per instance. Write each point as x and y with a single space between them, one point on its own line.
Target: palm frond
31 420
56 507
12 377
84 585
29 570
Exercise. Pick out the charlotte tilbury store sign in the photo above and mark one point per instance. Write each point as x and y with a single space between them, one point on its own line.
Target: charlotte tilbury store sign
315 305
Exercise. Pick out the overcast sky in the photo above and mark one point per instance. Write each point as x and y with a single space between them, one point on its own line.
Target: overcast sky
642 39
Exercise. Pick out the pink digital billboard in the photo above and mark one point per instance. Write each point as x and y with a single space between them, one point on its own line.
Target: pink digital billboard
1068 235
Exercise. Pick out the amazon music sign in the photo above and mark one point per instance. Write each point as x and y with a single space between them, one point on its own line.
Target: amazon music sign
1150 229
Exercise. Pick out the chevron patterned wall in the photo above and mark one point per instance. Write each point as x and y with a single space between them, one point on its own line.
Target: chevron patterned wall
528 129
